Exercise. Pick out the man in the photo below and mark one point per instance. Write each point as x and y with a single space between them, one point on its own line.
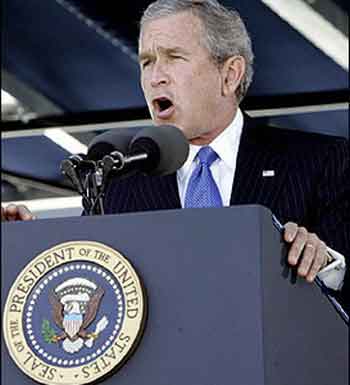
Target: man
196 65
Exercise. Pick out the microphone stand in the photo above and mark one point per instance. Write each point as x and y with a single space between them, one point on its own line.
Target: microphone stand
86 176
95 174
90 177
117 161
95 190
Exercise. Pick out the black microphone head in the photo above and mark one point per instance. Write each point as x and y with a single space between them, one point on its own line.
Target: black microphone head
115 140
77 158
66 165
166 146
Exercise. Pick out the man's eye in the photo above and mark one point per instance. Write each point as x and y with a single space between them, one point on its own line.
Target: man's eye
145 63
176 57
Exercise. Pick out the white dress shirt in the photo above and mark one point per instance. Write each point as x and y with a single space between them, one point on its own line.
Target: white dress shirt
223 169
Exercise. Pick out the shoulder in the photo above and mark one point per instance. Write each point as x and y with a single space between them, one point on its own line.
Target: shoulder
290 140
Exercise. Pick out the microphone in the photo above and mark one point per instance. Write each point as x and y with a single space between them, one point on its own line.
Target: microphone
165 149
84 175
154 150
115 140
68 168
77 159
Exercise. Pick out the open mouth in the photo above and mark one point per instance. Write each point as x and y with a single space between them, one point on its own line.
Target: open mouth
163 107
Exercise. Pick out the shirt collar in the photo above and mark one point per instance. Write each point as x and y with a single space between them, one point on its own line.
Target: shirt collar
225 145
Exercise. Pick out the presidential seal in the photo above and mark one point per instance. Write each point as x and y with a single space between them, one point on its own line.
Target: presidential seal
74 314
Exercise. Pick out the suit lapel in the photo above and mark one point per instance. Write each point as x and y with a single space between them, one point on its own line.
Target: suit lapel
257 153
256 157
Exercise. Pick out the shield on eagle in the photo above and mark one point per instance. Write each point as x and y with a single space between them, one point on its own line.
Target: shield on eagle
75 303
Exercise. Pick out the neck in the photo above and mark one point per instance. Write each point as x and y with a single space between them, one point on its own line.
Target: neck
206 138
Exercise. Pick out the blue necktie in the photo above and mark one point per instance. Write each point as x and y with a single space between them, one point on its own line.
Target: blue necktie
202 190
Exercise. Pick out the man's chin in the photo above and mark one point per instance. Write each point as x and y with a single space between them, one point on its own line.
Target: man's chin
160 122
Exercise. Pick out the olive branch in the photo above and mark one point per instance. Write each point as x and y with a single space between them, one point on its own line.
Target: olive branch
48 332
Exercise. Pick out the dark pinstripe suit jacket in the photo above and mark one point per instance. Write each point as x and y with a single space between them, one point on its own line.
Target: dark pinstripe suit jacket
311 185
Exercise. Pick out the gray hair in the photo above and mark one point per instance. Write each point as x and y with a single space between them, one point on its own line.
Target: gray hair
225 32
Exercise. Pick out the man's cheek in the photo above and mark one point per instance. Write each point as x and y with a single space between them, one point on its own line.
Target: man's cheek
143 82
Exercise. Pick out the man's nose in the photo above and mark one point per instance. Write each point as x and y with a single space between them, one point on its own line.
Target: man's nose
159 76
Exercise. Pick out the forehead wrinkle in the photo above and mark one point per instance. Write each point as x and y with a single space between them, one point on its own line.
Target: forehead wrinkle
162 50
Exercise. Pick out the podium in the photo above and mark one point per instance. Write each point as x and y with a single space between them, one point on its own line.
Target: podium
222 305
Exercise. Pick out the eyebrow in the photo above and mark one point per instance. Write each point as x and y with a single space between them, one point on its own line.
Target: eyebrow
167 51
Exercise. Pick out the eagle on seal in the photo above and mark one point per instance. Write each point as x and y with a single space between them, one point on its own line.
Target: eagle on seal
74 307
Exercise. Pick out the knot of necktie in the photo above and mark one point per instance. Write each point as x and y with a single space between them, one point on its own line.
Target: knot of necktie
207 156
202 190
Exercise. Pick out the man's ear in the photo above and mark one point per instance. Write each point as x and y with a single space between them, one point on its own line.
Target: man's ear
232 73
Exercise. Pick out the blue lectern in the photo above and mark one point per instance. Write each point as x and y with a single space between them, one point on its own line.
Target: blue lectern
222 307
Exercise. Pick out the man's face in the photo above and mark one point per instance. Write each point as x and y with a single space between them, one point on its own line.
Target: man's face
181 83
